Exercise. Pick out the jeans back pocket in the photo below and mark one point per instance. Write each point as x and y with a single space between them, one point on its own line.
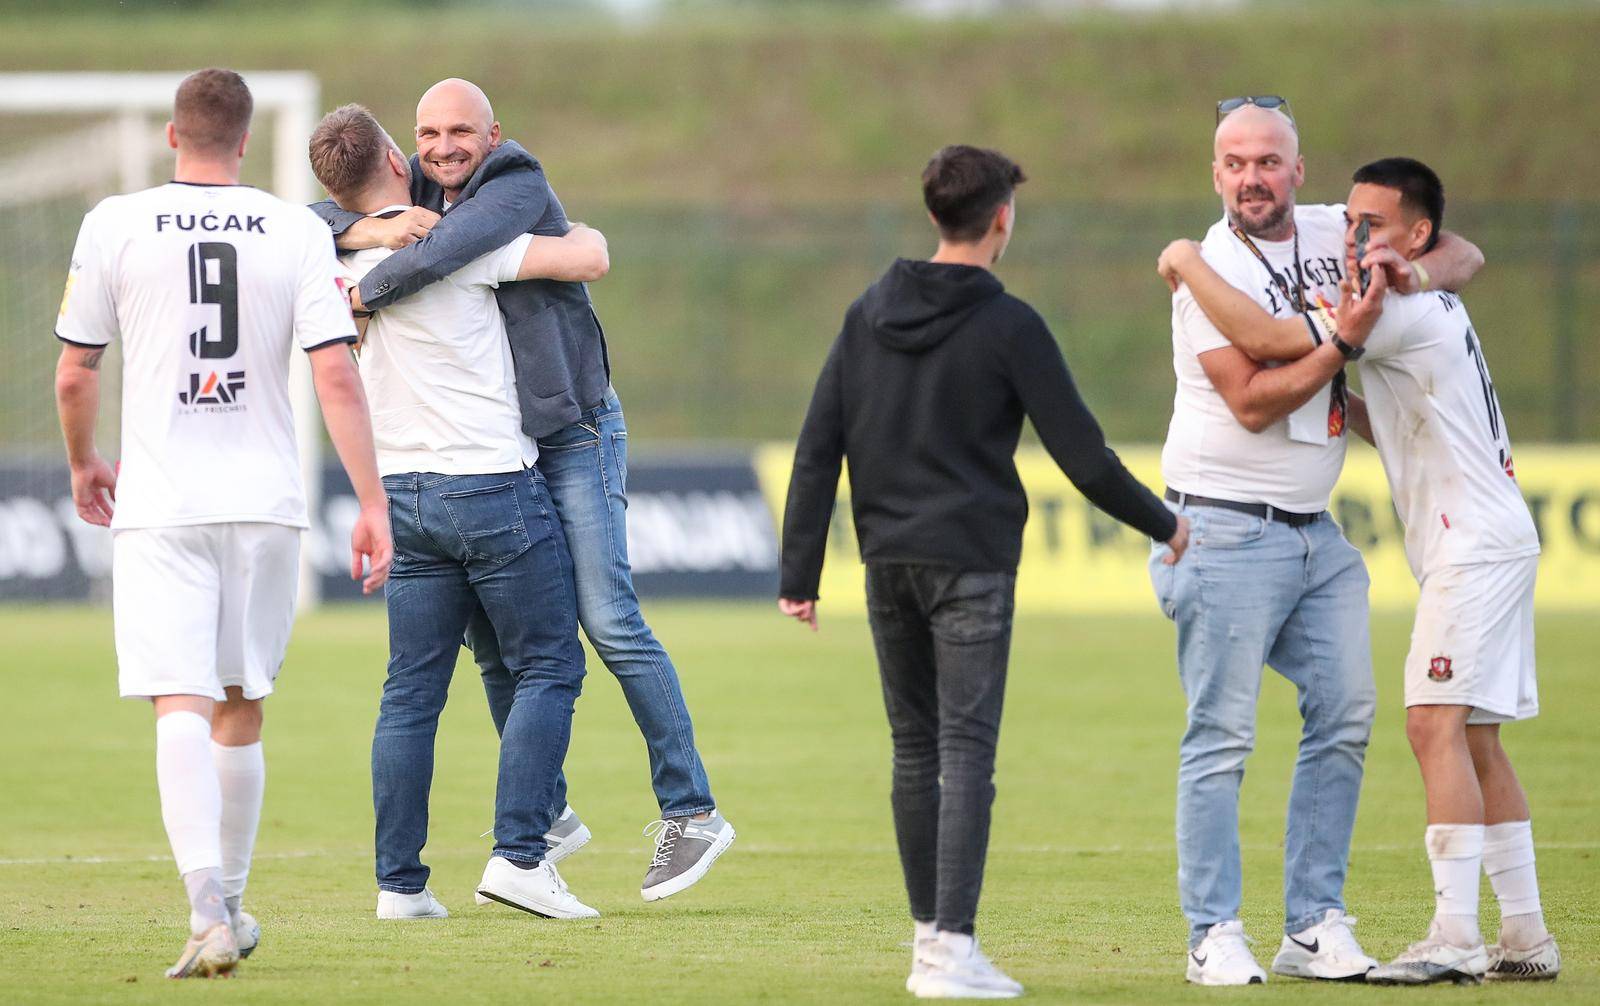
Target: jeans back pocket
489 521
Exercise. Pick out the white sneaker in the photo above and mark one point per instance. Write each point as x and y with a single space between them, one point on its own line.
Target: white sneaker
539 891
246 932
1327 950
1541 962
566 836
954 974
422 905
919 963
1433 960
1224 958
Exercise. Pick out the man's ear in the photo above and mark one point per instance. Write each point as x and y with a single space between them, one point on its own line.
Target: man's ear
1299 171
1002 218
1216 177
494 135
244 141
397 164
1421 234
172 136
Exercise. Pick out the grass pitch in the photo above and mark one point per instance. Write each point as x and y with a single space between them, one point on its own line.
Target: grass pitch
1080 903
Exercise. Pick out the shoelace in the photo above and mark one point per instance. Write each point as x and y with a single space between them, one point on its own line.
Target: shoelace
1231 945
666 833
1341 933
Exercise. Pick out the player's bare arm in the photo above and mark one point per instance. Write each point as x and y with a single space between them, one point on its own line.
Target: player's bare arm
94 482
581 256
1358 419
344 412
395 233
1450 265
1261 336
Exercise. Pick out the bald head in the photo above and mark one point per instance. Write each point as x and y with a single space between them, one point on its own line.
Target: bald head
456 130
1256 168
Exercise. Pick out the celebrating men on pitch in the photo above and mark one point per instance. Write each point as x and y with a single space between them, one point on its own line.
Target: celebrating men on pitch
492 192
474 530
1251 457
209 284
924 393
1471 544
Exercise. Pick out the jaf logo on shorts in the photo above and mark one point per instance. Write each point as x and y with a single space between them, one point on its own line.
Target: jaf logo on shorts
1439 669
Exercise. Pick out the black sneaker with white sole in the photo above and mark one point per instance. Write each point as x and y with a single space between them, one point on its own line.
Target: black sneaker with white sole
685 850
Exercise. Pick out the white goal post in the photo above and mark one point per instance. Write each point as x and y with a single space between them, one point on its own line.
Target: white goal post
135 106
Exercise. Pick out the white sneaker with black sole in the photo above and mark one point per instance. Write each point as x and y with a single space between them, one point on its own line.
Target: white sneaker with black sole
537 891
685 850
421 905
961 972
565 837
1224 958
1327 950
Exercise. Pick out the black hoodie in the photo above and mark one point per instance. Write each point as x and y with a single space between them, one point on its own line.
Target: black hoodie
924 392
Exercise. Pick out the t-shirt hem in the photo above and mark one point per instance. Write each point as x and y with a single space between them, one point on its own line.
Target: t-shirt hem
228 518
82 345
430 466
347 339
1484 558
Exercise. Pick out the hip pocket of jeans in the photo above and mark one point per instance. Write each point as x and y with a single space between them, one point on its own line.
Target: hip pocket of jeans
1215 527
489 521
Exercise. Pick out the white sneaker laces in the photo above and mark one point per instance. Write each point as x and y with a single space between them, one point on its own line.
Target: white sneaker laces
1340 933
666 833
1231 946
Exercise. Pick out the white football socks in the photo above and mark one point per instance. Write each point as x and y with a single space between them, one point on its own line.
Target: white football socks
923 930
959 943
242 777
191 809
1508 860
1456 853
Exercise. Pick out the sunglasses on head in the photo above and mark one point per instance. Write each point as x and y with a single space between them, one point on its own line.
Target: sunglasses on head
1270 102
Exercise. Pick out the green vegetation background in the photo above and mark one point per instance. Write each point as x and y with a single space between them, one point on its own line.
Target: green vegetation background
755 165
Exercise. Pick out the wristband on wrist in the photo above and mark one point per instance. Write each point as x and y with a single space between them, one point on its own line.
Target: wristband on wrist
1422 276
1351 353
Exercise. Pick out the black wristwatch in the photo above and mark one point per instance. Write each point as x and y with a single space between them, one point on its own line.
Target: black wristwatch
1350 352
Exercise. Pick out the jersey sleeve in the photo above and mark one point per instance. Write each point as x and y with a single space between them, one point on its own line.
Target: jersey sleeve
321 306
1399 327
1198 333
500 265
88 315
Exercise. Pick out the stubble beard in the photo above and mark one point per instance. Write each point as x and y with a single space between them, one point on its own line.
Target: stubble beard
1276 225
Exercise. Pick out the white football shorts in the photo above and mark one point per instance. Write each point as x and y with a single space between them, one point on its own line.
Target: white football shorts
1472 644
201 607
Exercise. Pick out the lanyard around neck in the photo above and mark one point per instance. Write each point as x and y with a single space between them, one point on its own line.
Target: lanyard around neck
1297 298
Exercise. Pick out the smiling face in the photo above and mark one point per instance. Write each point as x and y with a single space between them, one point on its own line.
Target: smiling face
455 132
1256 168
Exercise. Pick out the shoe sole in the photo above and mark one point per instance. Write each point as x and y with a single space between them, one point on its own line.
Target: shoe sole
544 912
934 987
1500 976
1454 977
1196 977
693 875
1302 969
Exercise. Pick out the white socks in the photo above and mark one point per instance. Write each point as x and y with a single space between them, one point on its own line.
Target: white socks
191 809
922 931
242 775
961 944
1456 854
1508 860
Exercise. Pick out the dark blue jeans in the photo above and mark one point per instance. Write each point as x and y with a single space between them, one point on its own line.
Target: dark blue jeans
490 543
587 468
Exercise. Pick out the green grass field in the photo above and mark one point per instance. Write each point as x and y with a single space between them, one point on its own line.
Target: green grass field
1080 902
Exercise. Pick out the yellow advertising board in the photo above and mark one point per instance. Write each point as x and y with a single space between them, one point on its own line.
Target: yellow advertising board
1075 558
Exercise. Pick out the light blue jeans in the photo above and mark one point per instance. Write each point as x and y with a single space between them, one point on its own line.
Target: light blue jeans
1251 592
586 468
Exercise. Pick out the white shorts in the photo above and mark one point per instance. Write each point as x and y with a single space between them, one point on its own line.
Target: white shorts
201 607
1472 644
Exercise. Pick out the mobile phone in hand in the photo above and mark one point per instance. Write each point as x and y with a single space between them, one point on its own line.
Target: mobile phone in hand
1363 274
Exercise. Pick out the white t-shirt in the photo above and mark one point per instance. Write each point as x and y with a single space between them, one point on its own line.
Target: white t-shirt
1442 437
209 287
1207 452
438 374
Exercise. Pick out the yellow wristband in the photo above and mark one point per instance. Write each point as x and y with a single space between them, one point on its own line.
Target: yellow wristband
1422 275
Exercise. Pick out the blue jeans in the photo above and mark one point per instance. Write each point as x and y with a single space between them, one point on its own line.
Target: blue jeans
1251 592
490 543
586 466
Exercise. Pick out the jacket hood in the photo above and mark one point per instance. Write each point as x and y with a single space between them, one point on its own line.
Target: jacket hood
916 305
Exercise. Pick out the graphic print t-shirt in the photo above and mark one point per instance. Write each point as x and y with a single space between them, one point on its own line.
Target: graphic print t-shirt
209 288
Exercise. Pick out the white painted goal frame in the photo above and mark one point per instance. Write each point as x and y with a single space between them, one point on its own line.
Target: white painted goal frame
137 102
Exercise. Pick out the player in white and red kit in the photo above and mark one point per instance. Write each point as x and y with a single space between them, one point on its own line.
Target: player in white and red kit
210 285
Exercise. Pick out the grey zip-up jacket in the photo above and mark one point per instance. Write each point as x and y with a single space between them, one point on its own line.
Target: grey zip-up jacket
557 345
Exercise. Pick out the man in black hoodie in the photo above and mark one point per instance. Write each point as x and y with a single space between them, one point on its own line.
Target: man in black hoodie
924 392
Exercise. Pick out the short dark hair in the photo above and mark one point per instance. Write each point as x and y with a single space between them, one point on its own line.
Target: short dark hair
963 186
1420 190
347 148
211 111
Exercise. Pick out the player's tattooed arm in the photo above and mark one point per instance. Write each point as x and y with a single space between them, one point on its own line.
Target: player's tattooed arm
1256 333
94 482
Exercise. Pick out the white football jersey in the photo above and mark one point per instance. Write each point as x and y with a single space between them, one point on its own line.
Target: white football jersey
1294 463
209 287
437 369
1442 437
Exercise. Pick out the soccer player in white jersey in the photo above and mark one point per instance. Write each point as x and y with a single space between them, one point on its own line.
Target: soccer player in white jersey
210 285
474 526
1472 546
1251 457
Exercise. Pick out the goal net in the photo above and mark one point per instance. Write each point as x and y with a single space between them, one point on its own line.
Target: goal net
68 141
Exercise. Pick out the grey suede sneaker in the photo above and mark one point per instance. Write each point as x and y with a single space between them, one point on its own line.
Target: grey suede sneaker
685 850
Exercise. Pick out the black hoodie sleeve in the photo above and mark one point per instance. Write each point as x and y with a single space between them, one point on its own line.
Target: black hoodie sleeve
814 485
1073 437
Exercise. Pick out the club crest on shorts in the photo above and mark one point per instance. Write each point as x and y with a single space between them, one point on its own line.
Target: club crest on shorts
1439 669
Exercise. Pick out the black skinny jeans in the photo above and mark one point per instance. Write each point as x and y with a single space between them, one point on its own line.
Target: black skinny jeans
943 638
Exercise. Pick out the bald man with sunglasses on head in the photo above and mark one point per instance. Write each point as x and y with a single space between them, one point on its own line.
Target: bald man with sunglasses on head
1252 454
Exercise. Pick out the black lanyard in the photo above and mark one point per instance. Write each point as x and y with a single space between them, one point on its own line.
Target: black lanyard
1296 299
